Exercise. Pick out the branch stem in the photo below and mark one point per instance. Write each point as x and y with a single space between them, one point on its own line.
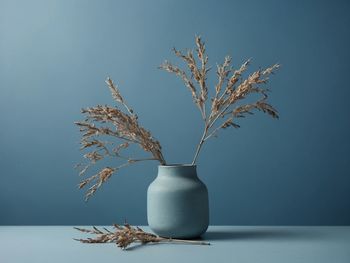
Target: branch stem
195 242
217 116
200 144
212 133
208 125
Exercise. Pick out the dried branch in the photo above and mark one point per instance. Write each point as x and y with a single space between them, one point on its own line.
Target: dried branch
99 178
229 90
202 72
113 123
117 96
199 74
167 66
124 235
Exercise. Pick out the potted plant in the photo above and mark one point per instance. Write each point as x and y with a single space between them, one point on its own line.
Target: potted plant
177 200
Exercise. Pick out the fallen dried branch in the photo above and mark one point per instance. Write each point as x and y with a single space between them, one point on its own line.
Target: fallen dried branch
125 235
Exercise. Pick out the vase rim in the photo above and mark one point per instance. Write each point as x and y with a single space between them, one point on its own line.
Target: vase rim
177 165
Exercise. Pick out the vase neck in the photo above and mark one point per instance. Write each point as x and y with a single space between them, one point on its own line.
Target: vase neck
188 171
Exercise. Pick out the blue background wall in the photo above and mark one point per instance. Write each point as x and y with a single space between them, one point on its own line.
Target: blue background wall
55 56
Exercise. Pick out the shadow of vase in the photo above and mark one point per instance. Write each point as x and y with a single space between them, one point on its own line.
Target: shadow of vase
261 234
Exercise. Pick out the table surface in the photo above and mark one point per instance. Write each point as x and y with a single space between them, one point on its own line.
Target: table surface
228 244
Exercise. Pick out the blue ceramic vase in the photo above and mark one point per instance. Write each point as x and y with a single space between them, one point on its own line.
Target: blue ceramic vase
177 202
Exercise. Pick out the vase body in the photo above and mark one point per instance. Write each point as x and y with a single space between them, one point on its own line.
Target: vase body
177 202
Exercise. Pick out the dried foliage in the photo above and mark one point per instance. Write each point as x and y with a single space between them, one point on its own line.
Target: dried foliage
221 111
115 124
232 88
124 236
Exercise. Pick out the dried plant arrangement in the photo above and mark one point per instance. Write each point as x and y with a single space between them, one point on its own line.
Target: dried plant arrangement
231 89
221 111
125 235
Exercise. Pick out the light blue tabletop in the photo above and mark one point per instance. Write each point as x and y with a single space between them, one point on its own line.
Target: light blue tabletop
51 244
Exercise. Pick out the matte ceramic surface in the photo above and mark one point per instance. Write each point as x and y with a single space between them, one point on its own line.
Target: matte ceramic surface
177 202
